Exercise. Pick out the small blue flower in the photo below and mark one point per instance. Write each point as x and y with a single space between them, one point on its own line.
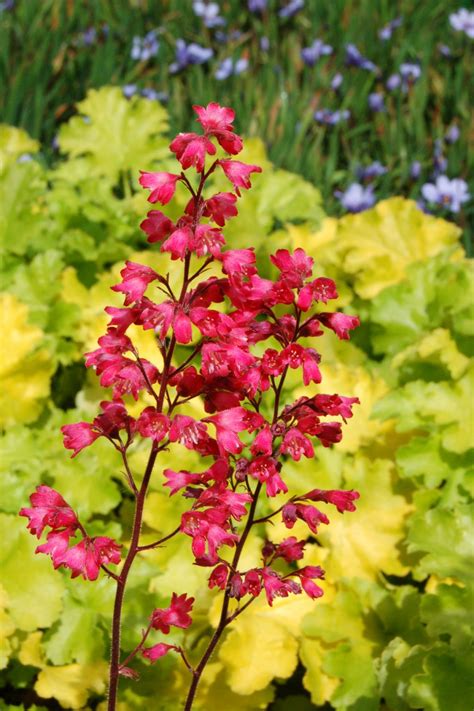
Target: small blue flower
368 172
331 118
129 90
154 95
228 67
415 170
291 8
445 51
452 134
257 5
315 51
387 31
336 81
186 54
264 44
89 36
241 66
410 72
393 82
450 194
356 198
7 5
24 158
355 59
376 102
143 48
225 69
463 21
209 12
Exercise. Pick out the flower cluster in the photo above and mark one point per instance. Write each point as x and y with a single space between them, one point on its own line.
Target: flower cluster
244 332
86 558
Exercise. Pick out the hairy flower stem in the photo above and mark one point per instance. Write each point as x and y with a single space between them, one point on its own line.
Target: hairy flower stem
122 581
224 620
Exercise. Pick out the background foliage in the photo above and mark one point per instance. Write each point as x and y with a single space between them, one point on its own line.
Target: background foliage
53 51
393 628
393 631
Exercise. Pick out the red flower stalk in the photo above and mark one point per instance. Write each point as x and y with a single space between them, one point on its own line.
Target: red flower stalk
249 431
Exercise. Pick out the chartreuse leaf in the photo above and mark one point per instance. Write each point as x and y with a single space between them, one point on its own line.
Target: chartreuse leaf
79 635
396 612
86 482
367 541
14 142
444 537
92 223
72 684
38 283
262 644
343 670
355 665
21 466
31 652
344 638
446 682
36 602
422 458
434 354
316 681
217 694
447 612
112 134
426 405
23 338
323 622
436 293
319 244
376 246
23 219
7 628
398 663
25 369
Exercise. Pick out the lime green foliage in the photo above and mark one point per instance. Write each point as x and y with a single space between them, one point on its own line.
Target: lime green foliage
376 248
394 623
36 602
26 366
98 139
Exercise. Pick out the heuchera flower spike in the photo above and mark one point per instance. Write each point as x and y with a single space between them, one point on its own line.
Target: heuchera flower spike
239 335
